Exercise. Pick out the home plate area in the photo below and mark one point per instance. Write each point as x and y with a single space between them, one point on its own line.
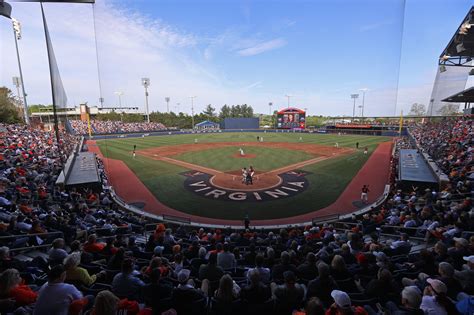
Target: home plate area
288 185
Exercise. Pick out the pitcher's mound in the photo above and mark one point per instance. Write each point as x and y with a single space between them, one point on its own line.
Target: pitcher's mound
245 156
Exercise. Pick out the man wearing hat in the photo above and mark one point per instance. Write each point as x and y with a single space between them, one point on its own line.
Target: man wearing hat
466 276
435 300
342 305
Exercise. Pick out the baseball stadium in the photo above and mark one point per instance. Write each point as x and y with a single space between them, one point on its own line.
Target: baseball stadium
159 164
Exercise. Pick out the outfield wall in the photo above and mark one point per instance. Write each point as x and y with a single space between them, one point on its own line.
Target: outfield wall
240 123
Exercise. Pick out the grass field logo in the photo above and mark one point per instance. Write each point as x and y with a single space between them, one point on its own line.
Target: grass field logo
291 184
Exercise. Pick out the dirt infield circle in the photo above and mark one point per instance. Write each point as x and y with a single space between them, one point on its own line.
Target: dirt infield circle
232 180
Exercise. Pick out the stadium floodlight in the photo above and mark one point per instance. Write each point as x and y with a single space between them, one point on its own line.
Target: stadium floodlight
17 34
192 110
270 106
364 90
354 97
445 57
167 100
146 84
177 107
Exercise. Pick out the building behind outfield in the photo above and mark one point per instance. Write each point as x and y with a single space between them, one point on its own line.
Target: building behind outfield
240 123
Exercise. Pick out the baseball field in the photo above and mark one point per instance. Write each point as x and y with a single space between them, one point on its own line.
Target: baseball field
200 174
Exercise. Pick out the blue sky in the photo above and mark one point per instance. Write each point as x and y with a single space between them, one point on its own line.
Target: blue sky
231 52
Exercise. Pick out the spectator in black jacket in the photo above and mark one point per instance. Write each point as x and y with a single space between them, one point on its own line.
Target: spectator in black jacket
308 269
284 265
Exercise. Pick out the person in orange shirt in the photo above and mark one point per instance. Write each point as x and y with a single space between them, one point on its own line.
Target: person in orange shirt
92 246
11 286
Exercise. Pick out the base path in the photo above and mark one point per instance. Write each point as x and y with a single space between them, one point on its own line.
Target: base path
374 173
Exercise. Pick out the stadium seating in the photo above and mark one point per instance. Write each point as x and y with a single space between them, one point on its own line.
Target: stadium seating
415 251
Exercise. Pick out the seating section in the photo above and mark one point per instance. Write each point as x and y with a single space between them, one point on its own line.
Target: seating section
76 251
109 127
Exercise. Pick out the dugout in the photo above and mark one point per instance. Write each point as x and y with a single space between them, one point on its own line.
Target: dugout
414 171
240 123
291 118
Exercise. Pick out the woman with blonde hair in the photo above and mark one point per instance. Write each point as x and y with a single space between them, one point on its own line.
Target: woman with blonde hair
106 303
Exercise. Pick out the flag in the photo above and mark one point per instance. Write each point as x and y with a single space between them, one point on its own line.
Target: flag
59 95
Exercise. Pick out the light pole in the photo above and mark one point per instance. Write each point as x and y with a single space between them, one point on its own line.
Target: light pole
192 110
270 105
354 97
177 107
363 101
288 96
146 84
167 100
119 94
17 35
16 82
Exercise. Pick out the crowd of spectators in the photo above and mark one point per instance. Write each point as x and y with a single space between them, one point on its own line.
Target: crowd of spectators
110 126
101 259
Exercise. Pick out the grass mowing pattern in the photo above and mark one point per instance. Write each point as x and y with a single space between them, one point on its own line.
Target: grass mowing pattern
327 181
266 159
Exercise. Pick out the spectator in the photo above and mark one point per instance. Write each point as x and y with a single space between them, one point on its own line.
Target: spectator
125 284
55 296
226 259
323 285
211 271
57 252
411 300
256 292
11 286
227 291
342 305
156 290
435 301
77 274
264 273
308 269
285 265
290 294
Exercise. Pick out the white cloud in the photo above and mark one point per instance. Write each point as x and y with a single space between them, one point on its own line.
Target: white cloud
262 47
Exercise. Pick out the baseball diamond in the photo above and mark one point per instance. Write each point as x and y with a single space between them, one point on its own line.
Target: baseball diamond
200 175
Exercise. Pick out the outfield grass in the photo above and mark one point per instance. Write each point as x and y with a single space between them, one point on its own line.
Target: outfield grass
327 179
265 159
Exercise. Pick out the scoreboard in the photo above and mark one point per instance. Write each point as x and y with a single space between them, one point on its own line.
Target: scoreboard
291 118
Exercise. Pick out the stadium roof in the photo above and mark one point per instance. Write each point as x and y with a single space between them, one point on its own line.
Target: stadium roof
466 96
460 49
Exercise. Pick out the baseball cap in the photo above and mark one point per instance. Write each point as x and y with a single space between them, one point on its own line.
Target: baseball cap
437 286
461 241
341 298
469 259
183 275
